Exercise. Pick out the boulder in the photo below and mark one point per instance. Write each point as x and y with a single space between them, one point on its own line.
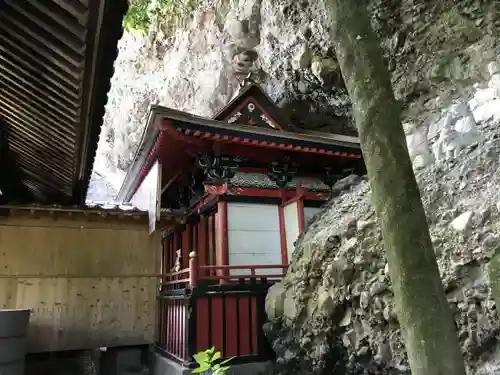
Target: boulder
302 59
275 301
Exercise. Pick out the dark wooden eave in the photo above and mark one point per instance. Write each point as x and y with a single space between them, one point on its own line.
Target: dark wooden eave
56 62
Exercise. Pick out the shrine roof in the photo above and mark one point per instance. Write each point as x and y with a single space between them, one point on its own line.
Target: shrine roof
172 135
189 124
255 92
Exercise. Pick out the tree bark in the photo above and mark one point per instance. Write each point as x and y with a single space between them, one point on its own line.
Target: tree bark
423 311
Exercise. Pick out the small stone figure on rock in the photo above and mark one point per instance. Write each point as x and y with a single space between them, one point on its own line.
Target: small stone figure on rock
244 36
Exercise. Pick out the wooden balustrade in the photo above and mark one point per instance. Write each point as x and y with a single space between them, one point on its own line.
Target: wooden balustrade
190 277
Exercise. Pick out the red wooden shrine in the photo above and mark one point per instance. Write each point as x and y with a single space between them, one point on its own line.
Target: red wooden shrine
249 182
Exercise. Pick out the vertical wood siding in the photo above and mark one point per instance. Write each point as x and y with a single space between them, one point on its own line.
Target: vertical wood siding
78 277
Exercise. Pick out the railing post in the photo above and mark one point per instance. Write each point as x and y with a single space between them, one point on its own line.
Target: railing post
193 269
190 324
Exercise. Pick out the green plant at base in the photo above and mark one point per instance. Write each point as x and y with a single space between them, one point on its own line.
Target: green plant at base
208 360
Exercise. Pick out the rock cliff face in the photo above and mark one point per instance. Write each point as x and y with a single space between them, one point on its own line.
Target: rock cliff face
333 313
433 47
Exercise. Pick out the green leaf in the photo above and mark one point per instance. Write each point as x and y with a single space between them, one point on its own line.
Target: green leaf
200 369
226 361
216 356
201 357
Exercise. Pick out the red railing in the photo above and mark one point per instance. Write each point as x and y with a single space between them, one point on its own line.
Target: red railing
223 272
172 325
190 277
229 317
180 277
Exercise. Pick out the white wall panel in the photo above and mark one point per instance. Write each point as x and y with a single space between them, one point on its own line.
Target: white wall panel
291 227
253 236
309 213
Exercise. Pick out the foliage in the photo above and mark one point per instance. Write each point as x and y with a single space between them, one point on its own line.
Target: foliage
209 361
168 14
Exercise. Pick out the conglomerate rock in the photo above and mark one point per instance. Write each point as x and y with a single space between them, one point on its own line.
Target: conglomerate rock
433 48
334 310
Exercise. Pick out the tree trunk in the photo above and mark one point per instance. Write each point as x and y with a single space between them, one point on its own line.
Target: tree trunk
422 309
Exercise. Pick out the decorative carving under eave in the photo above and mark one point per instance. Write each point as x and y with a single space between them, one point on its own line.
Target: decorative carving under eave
282 172
216 189
234 117
268 121
185 195
218 169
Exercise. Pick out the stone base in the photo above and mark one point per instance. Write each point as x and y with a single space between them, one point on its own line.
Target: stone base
165 366
124 361
113 361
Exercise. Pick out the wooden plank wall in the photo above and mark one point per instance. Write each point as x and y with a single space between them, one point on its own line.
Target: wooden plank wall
90 283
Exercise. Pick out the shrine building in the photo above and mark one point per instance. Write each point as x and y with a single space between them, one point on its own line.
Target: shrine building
249 182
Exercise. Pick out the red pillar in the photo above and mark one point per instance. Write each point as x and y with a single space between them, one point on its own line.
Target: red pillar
284 253
221 241
202 243
186 245
300 214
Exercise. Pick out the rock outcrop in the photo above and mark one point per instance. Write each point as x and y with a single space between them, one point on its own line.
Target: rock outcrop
334 311
433 48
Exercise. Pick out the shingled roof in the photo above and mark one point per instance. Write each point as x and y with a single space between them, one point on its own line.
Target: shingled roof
56 62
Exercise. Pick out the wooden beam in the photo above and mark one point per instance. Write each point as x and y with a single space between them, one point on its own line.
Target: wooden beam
171 181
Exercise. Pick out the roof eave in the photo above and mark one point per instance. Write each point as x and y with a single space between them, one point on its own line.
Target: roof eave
149 137
331 139
158 113
98 81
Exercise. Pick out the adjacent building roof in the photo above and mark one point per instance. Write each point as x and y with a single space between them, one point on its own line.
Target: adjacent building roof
56 62
75 212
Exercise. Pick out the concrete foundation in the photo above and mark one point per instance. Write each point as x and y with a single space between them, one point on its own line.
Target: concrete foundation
114 361
165 366
125 361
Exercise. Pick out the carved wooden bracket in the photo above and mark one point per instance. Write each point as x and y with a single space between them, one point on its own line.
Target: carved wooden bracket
282 172
218 169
